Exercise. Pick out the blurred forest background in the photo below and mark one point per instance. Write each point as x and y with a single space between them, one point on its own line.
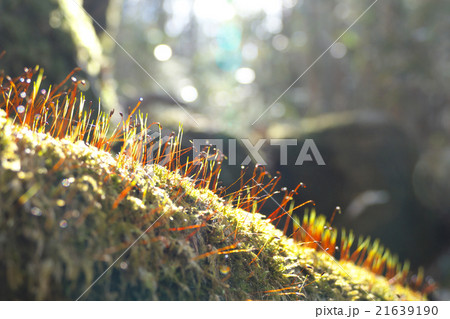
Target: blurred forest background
377 103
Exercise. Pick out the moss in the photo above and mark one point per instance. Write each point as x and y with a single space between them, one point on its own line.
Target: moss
67 212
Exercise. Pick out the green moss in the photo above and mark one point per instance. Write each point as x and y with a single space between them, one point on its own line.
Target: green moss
62 224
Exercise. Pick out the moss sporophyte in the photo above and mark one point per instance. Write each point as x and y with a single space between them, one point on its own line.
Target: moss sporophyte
161 227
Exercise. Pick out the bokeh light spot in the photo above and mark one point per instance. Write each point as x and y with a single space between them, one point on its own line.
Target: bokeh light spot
189 93
338 50
280 42
162 52
245 75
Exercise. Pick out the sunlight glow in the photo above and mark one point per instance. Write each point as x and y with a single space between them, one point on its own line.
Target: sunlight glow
248 8
291 3
218 10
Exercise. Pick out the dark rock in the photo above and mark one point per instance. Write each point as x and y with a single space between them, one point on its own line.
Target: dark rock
368 174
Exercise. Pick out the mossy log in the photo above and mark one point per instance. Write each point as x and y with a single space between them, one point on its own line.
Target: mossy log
69 213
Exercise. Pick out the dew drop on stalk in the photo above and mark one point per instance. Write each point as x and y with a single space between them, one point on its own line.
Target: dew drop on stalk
67 181
63 223
36 211
75 213
28 81
123 265
20 109
23 95
224 269
22 80
60 202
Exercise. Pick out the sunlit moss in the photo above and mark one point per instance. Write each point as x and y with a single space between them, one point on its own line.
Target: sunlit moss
199 248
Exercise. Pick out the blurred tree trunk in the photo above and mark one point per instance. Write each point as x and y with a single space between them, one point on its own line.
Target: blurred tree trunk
93 54
31 33
98 11
58 35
